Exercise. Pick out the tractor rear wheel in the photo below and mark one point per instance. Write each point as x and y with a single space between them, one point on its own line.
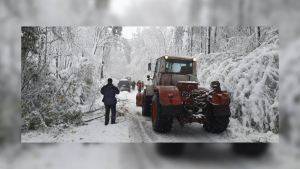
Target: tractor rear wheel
216 124
160 123
146 104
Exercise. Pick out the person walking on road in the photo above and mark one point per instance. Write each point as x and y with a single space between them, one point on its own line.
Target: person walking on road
109 92
139 85
133 85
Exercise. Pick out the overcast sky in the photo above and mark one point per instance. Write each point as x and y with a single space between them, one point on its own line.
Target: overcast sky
127 31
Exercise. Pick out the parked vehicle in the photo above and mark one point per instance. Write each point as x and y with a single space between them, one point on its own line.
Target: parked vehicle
124 85
174 92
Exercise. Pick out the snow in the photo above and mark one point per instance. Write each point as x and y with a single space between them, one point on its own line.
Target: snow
198 115
77 156
68 156
148 82
133 127
187 82
95 132
251 81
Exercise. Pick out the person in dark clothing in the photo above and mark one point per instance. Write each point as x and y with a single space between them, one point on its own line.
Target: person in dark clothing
109 91
133 85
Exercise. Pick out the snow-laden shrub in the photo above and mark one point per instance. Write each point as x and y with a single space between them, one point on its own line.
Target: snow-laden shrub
252 82
51 101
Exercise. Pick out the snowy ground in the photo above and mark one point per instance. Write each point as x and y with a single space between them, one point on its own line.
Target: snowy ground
133 156
133 127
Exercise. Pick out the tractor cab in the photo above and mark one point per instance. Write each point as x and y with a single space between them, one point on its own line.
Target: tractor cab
169 70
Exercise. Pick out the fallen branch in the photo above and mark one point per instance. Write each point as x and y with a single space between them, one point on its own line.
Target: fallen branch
91 111
94 118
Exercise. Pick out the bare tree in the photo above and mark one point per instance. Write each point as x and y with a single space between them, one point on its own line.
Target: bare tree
257 33
208 40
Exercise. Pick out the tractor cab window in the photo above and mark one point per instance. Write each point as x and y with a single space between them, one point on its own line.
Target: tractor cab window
179 66
157 68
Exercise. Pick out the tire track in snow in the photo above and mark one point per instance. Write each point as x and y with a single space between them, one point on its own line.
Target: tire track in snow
137 131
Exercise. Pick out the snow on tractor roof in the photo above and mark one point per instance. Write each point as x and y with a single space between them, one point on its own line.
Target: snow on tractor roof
124 80
187 82
178 57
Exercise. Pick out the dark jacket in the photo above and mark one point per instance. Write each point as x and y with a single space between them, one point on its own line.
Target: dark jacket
109 91
133 83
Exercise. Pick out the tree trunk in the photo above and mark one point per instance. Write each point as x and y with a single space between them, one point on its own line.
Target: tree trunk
66 59
201 42
40 42
250 31
57 66
102 62
215 35
102 70
46 47
208 40
227 40
215 38
257 32
191 47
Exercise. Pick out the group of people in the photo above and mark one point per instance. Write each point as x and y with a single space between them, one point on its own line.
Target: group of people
140 85
109 92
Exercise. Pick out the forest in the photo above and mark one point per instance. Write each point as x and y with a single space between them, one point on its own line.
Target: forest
63 68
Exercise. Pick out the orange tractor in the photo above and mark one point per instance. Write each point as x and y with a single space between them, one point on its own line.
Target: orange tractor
174 92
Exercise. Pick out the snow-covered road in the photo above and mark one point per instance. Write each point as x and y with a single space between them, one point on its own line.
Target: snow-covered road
133 127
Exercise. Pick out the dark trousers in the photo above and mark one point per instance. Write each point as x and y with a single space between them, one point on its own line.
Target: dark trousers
139 90
113 113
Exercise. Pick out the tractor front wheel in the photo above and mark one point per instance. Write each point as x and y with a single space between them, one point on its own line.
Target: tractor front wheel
216 124
160 123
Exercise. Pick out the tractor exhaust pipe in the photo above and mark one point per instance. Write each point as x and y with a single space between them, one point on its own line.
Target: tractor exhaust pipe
215 85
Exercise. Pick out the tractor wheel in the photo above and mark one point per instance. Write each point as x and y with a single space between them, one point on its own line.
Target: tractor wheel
216 124
146 105
160 123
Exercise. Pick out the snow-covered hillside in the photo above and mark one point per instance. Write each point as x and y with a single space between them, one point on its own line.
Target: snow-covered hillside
252 82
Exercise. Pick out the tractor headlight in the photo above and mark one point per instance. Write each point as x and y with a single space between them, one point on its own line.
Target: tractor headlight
166 57
194 59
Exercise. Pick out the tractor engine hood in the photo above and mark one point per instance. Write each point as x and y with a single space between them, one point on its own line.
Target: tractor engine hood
187 86
168 79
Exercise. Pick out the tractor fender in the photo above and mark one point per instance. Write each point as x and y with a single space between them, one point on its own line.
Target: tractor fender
219 102
219 98
168 95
